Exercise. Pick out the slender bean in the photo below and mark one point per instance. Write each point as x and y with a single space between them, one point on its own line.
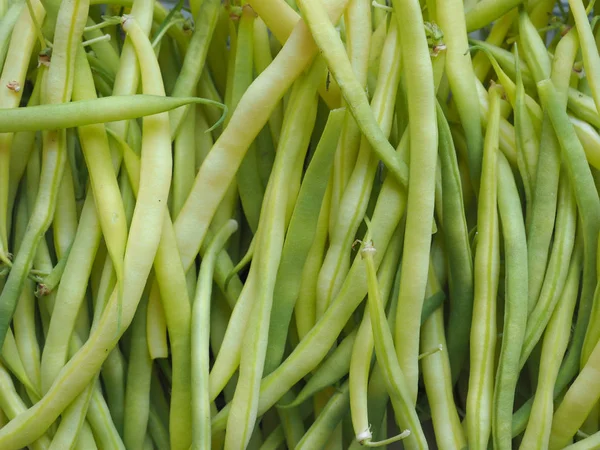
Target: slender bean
333 51
139 375
358 37
543 210
24 319
7 25
556 276
486 11
438 384
537 434
318 435
460 265
12 405
515 314
395 380
305 309
72 420
496 36
577 403
486 275
587 200
589 443
60 76
303 100
362 352
200 340
459 70
224 158
421 191
269 251
88 112
144 238
262 60
319 340
18 54
354 203
300 235
193 63
589 52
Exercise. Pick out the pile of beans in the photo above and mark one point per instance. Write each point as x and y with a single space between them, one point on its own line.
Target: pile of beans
299 224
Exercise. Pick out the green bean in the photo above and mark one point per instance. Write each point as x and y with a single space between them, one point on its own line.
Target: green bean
589 52
24 319
292 421
50 282
357 19
319 340
139 374
377 395
54 156
583 107
515 315
527 141
438 384
543 210
88 112
169 272
486 11
262 59
193 63
104 51
300 235
18 53
486 275
7 25
506 60
226 155
534 50
158 430
332 49
496 36
105 212
23 143
459 70
556 336
589 443
250 187
421 189
70 427
200 340
329 372
556 276
350 212
12 405
590 140
12 360
459 252
157 325
86 438
587 201
318 435
377 41
304 103
395 380
362 352
305 309
145 231
268 258
577 403
184 161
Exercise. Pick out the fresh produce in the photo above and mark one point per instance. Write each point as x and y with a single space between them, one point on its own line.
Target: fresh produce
299 224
